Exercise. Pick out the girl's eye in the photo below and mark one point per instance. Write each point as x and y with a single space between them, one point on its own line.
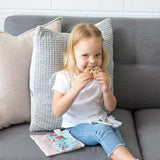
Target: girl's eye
99 54
85 55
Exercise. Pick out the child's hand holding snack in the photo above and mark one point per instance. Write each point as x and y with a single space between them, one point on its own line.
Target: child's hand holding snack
99 75
103 81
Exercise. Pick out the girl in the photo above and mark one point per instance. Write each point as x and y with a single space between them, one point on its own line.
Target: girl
79 98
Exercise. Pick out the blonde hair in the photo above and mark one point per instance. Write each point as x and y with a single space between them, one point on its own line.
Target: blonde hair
81 32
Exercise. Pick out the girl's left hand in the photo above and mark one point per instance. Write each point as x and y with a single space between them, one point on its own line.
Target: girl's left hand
103 81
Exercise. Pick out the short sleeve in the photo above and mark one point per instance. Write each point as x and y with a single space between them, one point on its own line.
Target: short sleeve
61 83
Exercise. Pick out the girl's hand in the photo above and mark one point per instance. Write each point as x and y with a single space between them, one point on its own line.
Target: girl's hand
108 97
103 81
82 80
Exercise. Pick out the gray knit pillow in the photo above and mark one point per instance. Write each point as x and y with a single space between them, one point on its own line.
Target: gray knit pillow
47 58
105 27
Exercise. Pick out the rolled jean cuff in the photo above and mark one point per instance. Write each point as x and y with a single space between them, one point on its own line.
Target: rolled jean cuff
109 154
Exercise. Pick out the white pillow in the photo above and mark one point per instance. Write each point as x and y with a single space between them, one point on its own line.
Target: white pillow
47 59
15 58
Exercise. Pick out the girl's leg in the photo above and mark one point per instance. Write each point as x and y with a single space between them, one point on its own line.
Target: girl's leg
92 134
85 133
120 149
121 153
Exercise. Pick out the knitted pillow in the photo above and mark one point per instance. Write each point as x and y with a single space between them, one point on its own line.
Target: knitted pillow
47 59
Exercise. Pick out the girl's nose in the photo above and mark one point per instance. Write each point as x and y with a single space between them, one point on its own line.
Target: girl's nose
92 60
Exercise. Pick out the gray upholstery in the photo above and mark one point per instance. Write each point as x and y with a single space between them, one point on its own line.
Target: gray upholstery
16 144
23 23
136 86
148 128
137 59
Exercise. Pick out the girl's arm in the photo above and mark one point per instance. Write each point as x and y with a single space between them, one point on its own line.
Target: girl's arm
109 99
61 103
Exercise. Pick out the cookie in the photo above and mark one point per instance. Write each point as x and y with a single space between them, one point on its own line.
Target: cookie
93 70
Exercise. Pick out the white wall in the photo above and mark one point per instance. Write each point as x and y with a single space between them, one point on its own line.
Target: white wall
111 8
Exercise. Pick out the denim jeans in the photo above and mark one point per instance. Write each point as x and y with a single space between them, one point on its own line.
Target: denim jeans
92 134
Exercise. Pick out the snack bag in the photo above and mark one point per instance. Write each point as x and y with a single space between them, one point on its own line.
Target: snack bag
108 120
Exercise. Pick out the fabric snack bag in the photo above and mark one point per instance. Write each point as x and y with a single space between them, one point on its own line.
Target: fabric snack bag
57 142
64 141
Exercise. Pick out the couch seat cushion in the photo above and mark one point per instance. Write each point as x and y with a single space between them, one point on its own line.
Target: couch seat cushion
16 142
128 131
148 130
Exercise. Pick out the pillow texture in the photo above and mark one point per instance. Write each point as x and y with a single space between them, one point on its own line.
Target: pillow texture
47 59
15 59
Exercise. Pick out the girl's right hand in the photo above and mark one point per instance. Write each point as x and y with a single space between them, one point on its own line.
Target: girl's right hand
82 80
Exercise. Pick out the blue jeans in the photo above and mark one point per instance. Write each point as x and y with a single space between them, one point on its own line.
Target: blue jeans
92 134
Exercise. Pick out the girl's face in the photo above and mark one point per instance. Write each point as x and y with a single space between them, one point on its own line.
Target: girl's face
88 53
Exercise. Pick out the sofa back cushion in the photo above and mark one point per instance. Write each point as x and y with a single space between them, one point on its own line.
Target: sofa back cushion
136 55
137 62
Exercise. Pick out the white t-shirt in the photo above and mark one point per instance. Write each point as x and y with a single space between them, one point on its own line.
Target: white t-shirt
87 107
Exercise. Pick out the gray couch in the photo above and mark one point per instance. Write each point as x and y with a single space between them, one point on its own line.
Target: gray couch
136 86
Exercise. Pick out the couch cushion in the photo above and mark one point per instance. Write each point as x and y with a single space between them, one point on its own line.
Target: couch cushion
128 130
15 58
137 61
16 143
148 130
137 86
47 59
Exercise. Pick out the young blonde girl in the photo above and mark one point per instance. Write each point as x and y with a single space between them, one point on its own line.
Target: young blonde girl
78 98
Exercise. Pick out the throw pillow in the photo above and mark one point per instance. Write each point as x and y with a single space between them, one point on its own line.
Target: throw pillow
15 58
47 59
